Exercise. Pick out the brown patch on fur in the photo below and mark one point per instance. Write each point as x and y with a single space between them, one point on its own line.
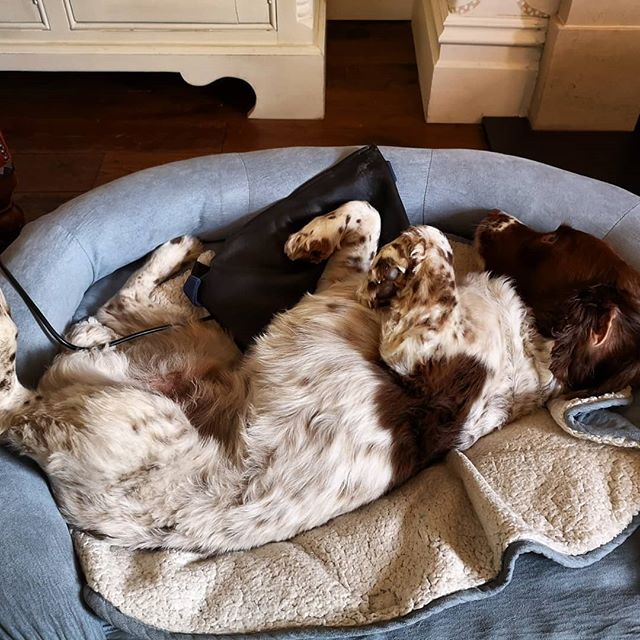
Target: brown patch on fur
166 529
319 250
137 475
447 300
426 411
216 411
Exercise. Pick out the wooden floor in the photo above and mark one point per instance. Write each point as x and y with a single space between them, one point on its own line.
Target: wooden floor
70 132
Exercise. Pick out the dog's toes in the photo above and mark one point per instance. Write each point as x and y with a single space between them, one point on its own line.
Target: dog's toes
174 254
188 247
305 245
386 277
206 258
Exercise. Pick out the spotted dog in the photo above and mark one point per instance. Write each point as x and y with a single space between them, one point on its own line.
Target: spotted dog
179 441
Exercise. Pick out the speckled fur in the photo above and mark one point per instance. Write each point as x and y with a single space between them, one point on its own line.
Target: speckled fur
179 441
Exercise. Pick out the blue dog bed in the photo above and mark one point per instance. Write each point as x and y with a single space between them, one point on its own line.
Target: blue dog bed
73 259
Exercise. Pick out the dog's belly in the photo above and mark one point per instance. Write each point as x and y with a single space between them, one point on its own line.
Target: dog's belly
316 379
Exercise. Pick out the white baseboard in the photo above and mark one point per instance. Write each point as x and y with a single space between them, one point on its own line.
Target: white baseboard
475 67
369 9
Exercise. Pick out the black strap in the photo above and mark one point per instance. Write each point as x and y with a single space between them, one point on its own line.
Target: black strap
192 286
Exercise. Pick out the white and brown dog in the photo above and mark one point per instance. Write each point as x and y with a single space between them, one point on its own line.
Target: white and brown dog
179 441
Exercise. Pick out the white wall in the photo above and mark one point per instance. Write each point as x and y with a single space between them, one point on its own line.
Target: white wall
590 71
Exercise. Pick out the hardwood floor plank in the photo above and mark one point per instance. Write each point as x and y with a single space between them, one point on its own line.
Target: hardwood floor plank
55 171
35 205
79 133
370 42
116 165
265 135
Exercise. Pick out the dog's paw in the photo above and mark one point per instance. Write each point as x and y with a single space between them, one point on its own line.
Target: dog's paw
206 258
354 223
315 242
388 274
173 255
419 254
184 248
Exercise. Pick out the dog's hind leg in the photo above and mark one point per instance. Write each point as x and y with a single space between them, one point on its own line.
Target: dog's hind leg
413 276
153 295
12 394
347 238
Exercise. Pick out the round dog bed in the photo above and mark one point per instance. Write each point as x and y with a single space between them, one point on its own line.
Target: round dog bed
73 259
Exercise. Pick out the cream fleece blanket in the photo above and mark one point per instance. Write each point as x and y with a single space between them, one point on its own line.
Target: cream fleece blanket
444 531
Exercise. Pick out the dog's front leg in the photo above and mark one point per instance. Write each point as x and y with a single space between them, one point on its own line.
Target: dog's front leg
413 283
347 238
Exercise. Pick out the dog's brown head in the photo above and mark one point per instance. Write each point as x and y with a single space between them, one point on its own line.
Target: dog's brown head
582 294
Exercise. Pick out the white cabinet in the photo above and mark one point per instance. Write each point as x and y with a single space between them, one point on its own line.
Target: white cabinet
167 13
277 46
18 14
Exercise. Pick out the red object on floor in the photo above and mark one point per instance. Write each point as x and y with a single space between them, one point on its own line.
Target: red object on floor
11 216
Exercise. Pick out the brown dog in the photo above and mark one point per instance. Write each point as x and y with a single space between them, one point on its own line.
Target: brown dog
582 294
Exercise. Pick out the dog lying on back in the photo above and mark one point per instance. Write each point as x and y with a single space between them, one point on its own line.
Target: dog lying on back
179 441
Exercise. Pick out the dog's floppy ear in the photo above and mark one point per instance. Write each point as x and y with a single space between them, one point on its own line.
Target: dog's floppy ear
604 323
587 339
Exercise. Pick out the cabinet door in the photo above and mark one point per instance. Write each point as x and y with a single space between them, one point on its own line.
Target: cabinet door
19 11
167 12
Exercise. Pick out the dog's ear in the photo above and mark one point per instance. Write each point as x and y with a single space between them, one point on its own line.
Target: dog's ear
604 324
591 334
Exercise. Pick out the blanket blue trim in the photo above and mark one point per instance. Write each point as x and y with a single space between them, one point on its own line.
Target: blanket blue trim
609 419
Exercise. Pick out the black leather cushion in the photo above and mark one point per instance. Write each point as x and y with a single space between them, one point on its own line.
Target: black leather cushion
251 278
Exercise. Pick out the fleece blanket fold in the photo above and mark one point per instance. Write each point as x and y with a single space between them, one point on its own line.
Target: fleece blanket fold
444 531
